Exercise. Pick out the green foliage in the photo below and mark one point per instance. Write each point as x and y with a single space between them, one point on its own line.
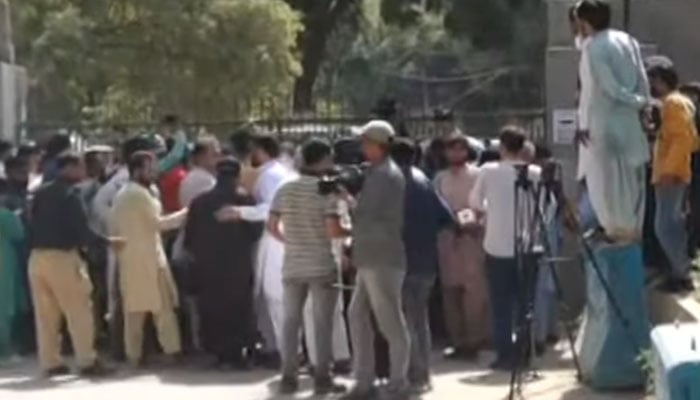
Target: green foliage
646 362
135 59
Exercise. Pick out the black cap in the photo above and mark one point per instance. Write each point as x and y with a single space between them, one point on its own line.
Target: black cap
229 167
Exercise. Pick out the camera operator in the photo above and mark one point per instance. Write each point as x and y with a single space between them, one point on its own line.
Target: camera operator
380 260
494 194
310 221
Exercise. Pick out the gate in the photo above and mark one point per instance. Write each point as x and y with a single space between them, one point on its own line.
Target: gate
297 129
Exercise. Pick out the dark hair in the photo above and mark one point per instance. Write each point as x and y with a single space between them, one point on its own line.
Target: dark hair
228 167
596 12
403 151
57 144
572 13
14 163
67 159
267 143
512 138
489 155
314 151
28 149
691 88
666 73
458 139
542 152
242 140
92 160
5 147
170 119
348 151
202 145
139 160
136 144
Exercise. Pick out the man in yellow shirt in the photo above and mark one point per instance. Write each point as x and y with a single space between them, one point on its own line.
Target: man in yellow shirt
676 142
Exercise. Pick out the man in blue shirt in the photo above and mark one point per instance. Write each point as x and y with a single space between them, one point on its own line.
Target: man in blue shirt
425 214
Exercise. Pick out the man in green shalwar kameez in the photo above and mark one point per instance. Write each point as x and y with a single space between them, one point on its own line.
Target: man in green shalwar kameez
14 299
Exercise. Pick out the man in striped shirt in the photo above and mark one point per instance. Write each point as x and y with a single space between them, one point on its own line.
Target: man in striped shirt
306 222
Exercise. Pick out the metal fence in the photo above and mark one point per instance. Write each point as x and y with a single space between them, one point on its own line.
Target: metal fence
296 130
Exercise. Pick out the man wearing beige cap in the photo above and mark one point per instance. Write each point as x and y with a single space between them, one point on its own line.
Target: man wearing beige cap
379 257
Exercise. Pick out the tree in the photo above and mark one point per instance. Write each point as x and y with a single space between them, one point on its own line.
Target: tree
136 59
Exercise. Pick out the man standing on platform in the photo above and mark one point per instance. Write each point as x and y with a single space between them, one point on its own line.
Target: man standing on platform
618 148
146 282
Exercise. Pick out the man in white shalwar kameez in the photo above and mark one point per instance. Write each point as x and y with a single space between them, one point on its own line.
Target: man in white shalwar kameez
618 147
272 174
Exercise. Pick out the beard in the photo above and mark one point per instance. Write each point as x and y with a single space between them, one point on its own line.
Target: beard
255 161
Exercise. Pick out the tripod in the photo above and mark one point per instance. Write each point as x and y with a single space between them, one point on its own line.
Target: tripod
532 246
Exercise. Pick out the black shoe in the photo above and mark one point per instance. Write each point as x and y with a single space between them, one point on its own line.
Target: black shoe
460 354
552 339
57 371
342 367
96 370
676 286
326 385
288 385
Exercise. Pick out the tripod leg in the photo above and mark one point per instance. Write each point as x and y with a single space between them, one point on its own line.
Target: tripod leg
567 325
611 297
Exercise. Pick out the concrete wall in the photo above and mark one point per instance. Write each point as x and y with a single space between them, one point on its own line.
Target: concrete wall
7 52
13 99
673 26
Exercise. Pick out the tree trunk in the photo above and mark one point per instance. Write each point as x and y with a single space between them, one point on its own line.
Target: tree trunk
313 45
319 22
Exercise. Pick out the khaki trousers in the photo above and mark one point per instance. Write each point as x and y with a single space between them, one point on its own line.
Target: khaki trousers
166 326
61 288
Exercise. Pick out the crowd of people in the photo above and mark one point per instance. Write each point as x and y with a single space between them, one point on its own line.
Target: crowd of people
257 256
233 252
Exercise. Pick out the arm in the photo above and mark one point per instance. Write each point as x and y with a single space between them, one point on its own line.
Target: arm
444 214
176 154
585 92
603 75
261 211
273 226
172 221
334 228
150 213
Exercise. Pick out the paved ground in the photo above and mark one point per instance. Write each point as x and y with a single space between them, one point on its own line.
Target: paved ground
18 381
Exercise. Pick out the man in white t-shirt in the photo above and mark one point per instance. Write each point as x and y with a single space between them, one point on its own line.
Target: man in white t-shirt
494 194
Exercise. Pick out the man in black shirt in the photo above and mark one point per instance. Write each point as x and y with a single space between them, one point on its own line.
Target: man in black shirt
58 276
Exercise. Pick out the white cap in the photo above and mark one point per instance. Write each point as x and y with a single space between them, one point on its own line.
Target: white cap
378 131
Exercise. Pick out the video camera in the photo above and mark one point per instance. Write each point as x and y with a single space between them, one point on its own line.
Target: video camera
345 177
